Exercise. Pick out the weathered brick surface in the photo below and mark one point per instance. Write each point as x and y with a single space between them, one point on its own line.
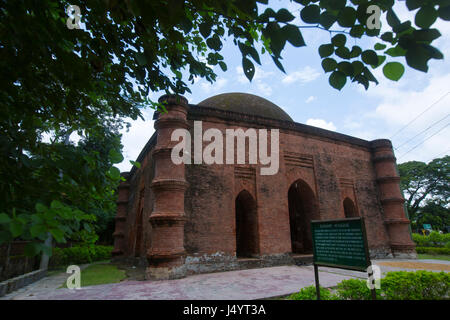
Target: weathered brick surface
328 166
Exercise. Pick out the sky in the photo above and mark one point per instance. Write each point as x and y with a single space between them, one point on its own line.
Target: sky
414 113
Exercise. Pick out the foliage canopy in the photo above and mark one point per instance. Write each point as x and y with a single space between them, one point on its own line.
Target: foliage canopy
56 81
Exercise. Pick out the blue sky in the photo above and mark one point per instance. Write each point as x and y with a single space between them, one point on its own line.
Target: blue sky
305 94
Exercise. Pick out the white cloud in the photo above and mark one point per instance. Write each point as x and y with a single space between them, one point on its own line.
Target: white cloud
208 88
263 88
259 74
402 115
304 75
320 123
310 99
135 139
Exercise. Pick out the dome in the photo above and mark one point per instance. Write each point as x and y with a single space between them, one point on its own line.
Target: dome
246 103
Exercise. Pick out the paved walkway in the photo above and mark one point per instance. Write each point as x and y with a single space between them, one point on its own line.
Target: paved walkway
240 285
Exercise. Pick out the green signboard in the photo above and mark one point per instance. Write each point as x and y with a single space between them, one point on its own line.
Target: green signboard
427 226
340 243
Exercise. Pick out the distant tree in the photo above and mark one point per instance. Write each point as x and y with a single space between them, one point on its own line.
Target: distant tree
56 78
434 213
427 190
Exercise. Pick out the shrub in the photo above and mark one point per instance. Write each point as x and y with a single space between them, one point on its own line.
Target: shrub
354 289
433 250
80 255
419 285
398 285
309 293
435 239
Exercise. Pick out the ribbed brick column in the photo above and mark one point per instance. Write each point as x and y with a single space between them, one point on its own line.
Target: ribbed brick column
391 199
166 256
121 217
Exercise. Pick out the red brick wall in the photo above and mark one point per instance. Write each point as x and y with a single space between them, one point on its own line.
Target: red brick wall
333 170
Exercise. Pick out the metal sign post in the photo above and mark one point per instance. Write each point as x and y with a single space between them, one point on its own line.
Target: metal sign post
340 243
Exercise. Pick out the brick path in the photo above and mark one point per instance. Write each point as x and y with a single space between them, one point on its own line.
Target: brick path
239 285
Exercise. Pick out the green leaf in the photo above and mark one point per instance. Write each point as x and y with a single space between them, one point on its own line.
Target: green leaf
5 236
347 17
115 156
380 46
357 31
444 12
393 70
381 60
346 68
310 14
417 58
392 18
278 64
223 66
16 228
214 43
32 249
356 51
293 35
38 230
4 218
140 58
413 4
249 68
205 28
114 173
358 67
57 234
326 50
55 204
283 15
396 51
402 28
369 57
337 4
135 163
343 52
427 35
327 19
425 17
329 64
41 207
337 80
387 36
87 227
369 76
339 40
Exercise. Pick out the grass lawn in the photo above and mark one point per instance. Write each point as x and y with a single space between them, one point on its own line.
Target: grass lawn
432 256
100 274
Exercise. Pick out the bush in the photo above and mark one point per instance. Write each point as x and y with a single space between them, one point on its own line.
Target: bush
433 250
309 293
419 285
398 285
435 239
79 255
354 289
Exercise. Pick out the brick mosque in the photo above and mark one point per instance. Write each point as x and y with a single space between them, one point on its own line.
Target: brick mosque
181 219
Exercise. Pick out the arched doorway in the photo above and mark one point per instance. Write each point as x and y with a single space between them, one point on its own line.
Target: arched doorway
246 225
350 208
302 209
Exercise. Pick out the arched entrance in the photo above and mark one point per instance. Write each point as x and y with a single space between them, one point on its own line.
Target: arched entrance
246 225
302 209
350 208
